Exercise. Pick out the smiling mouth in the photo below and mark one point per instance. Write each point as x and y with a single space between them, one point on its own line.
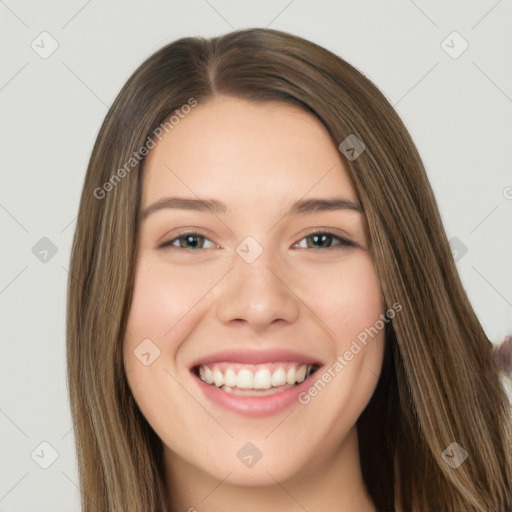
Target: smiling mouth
254 379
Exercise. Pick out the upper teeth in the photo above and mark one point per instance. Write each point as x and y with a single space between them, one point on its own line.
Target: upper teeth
263 378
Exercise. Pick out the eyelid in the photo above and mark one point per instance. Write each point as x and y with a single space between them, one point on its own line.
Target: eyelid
329 231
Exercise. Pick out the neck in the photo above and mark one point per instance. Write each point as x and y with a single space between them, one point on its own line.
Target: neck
332 481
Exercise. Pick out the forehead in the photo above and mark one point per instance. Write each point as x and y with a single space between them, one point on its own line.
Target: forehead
246 153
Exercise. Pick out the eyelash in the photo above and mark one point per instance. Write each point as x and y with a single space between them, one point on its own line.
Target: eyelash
343 243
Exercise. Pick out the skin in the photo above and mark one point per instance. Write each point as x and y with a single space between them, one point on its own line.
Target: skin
257 158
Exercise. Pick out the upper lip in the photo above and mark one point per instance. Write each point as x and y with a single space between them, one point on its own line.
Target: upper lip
256 356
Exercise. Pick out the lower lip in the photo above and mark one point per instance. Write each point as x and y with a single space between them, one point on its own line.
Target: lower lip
256 406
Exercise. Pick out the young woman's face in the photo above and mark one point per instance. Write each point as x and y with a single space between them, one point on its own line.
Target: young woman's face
251 295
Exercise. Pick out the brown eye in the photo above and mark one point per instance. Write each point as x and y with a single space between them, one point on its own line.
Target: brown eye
323 240
186 241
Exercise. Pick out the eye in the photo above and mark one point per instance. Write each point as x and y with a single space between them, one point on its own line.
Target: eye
191 240
324 239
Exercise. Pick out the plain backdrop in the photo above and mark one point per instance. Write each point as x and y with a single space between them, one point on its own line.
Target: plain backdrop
445 65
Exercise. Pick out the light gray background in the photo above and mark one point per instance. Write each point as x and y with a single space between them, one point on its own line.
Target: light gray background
458 110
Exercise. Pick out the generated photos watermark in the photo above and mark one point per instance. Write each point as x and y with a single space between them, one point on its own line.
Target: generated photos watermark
137 156
343 360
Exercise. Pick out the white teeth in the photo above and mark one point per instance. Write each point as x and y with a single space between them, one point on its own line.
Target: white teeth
218 378
244 379
262 379
279 377
230 378
300 375
208 377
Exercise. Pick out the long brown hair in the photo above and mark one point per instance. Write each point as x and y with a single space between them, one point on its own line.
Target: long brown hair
437 386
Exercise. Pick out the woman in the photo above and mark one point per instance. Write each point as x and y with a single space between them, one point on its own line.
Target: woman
219 356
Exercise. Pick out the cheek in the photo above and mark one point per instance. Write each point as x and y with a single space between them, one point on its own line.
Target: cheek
157 305
347 298
166 301
166 304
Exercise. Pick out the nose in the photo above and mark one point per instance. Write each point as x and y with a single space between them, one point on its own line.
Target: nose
257 294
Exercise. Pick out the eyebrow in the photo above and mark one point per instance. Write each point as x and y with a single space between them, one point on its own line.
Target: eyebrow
302 206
